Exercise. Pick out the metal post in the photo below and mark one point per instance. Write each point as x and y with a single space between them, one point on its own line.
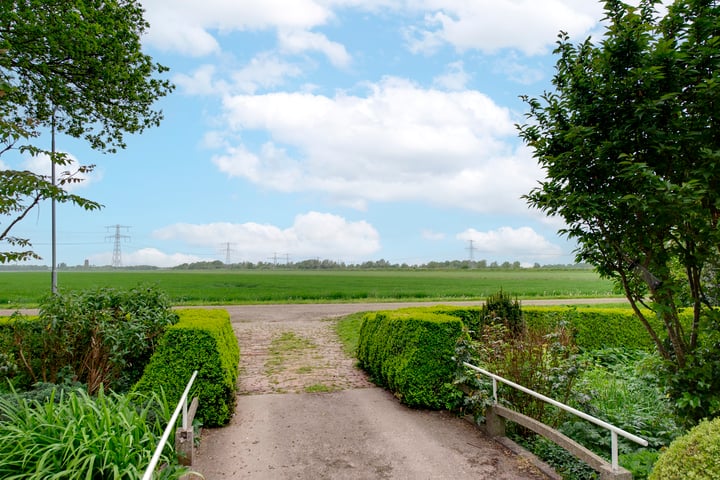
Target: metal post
53 268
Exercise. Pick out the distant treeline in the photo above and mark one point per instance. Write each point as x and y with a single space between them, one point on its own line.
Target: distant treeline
317 264
311 264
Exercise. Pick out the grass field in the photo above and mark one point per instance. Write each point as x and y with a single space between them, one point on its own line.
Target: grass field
19 289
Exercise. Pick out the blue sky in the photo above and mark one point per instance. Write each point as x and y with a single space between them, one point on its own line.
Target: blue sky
349 130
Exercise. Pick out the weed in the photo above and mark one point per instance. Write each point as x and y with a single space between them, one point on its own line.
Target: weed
320 388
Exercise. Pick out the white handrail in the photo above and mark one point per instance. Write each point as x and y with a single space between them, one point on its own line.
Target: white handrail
181 406
614 431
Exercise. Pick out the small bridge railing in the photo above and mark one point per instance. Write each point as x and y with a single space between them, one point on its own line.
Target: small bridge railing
181 406
614 431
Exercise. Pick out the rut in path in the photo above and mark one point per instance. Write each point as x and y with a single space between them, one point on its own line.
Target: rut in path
294 357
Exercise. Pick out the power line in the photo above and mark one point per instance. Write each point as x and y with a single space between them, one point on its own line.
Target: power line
117 254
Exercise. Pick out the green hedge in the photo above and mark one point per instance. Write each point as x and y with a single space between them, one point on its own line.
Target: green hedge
203 340
694 456
593 327
410 352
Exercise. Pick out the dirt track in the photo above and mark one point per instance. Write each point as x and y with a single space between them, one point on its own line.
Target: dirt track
352 430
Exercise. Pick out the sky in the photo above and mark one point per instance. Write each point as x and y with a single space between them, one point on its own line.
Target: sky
347 130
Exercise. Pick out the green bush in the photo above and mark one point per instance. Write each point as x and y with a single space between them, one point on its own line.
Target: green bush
72 436
103 337
501 308
202 340
411 353
695 456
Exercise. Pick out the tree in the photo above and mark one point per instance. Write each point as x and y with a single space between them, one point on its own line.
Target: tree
630 143
77 67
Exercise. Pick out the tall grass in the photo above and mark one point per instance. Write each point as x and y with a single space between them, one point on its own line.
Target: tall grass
73 435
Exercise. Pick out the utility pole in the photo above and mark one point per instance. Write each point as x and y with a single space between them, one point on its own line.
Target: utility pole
53 268
117 254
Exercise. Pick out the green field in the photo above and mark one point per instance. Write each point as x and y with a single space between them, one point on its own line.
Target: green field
291 286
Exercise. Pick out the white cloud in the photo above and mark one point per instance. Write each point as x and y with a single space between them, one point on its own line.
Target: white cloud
299 41
184 25
312 234
399 143
518 71
454 79
512 243
146 256
201 81
530 26
264 71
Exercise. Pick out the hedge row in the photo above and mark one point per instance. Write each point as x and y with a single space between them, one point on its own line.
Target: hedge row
203 340
410 352
593 328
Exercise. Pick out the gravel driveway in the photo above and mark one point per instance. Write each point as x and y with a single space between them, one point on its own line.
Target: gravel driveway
304 411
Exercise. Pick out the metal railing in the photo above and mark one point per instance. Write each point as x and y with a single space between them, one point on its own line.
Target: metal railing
614 431
181 406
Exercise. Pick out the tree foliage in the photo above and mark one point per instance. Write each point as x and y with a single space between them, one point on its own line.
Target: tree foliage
76 67
630 142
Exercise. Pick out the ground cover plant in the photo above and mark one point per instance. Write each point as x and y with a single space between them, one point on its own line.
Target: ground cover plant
73 435
292 286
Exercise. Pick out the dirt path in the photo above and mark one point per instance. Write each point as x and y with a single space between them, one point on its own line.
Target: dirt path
305 411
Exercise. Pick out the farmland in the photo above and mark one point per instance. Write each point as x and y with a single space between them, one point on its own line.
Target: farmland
218 287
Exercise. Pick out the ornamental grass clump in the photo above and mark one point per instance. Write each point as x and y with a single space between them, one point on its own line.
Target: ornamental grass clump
77 436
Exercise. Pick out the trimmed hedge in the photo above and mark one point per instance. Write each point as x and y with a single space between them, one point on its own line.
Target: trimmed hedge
203 340
694 456
596 328
410 352
593 328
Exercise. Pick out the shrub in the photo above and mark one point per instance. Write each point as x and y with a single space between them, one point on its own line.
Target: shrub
202 340
695 388
103 336
695 456
501 308
537 359
410 352
76 436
